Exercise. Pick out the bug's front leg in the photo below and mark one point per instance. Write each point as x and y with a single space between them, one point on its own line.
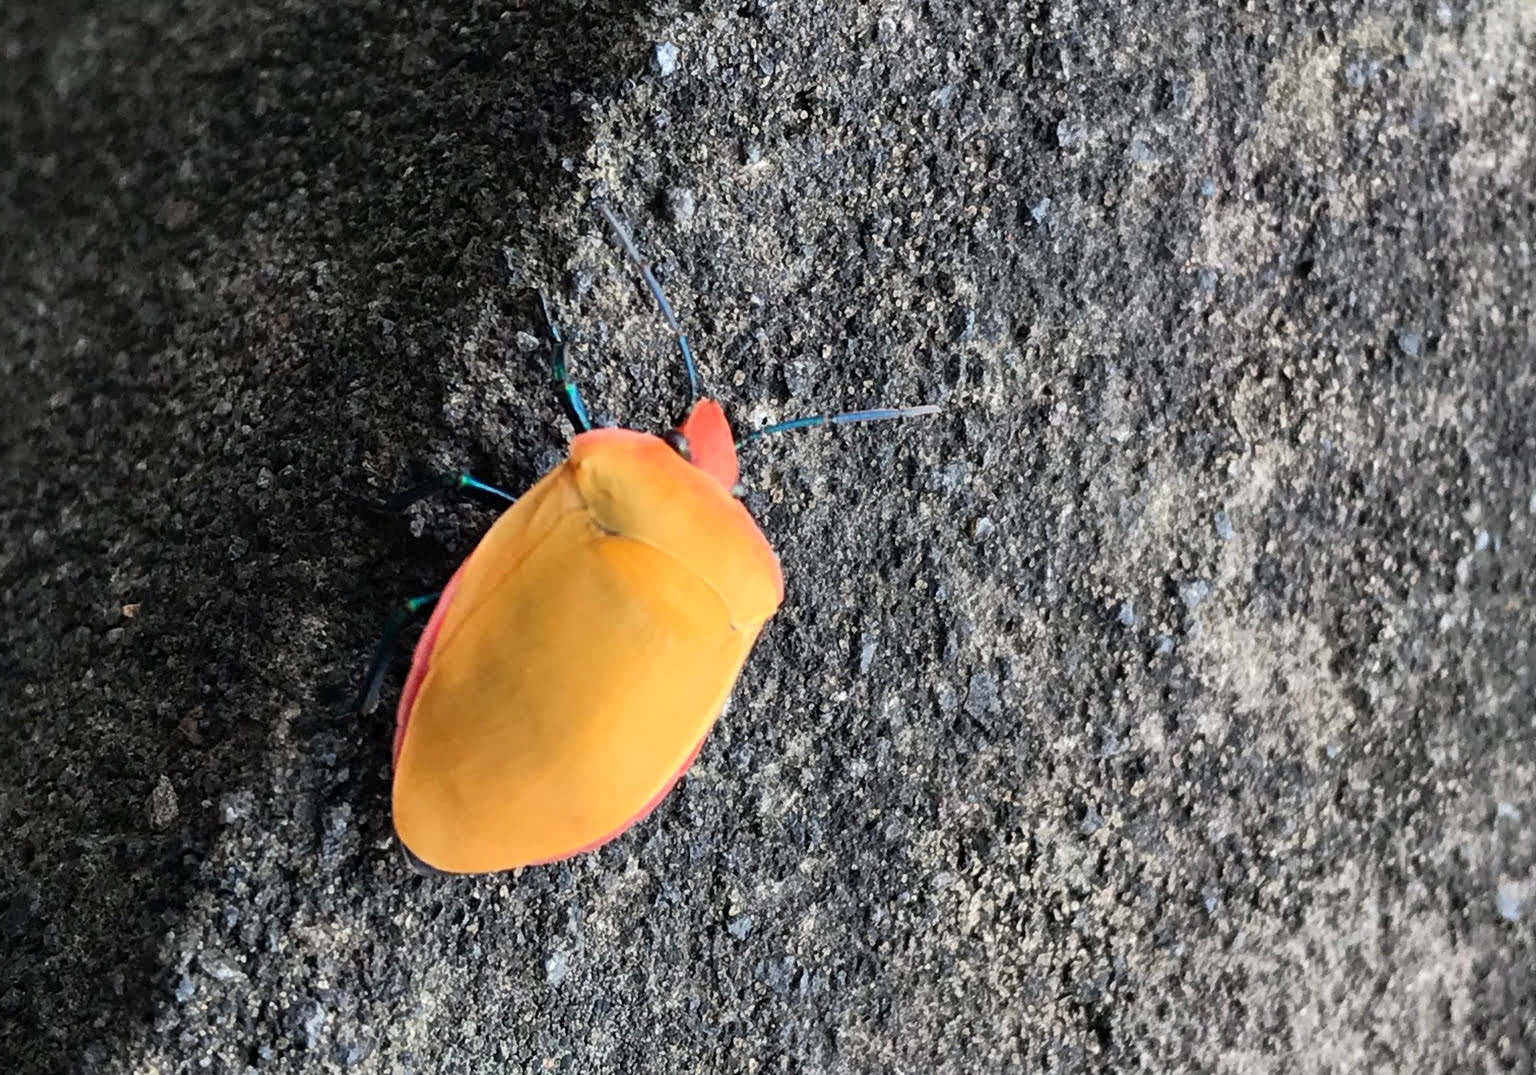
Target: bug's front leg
443 483
570 396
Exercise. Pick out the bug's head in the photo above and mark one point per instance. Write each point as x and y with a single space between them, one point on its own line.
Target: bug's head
704 439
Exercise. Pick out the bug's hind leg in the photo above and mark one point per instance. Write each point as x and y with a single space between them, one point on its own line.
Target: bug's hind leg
368 697
570 396
417 866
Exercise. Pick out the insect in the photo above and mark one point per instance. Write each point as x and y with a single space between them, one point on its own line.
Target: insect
577 659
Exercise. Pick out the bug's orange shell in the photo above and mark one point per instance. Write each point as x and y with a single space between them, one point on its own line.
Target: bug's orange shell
578 658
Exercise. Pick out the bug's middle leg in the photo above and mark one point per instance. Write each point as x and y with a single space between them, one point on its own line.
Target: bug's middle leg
442 483
368 697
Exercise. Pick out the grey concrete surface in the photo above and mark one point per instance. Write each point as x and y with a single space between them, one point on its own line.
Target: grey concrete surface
1165 705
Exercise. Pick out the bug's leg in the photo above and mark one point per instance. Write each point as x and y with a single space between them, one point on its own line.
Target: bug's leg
368 697
570 396
417 866
443 483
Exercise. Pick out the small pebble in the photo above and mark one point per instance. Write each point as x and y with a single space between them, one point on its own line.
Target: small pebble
664 59
556 968
1224 526
1508 901
777 973
982 528
955 473
1164 645
219 968
234 805
306 1021
1408 342
1041 210
186 989
867 656
1482 541
337 819
981 698
1178 95
1358 72
1127 614
1069 133
162 806
1193 592
739 926
1091 823
681 204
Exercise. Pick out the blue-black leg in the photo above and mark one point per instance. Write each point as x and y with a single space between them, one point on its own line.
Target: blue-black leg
417 866
570 396
444 483
404 613
368 698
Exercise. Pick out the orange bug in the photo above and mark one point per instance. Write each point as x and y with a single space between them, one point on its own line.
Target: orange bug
575 662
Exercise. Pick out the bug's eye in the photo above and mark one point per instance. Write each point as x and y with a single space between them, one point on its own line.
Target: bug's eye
679 444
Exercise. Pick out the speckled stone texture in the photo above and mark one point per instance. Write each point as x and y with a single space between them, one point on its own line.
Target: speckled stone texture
1166 704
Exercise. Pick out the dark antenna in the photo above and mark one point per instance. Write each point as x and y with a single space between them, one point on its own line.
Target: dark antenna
847 418
633 253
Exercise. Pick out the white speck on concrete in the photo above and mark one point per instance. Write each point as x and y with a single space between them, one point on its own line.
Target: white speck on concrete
1508 900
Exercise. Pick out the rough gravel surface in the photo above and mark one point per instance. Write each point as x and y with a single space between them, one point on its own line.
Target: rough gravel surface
1166 704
